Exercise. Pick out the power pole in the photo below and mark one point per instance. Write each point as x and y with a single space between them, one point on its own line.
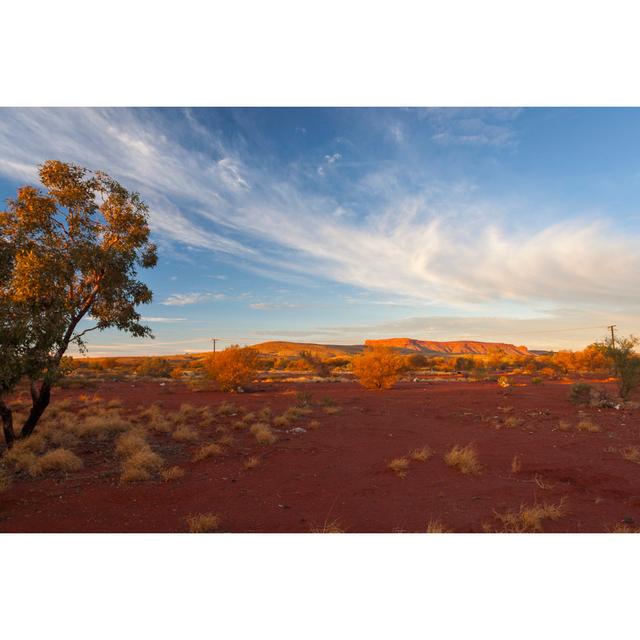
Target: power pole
613 336
214 340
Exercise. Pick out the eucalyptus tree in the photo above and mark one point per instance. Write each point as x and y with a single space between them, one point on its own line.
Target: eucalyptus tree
69 252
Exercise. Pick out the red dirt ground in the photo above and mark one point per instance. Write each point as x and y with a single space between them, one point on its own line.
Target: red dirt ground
339 470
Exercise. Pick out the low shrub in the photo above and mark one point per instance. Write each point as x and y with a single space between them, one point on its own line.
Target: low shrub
60 460
203 523
580 393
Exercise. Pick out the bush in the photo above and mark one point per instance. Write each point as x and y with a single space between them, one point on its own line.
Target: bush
626 363
580 393
536 380
154 368
416 361
377 368
234 367
314 364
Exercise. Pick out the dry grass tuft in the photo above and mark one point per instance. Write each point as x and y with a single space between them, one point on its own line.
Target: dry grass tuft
226 440
140 461
21 458
281 421
621 527
60 460
265 414
314 424
226 409
172 473
464 459
588 426
207 451
131 442
5 480
263 433
516 464
632 454
512 421
329 526
422 454
252 462
400 466
203 523
131 473
564 425
436 526
156 419
331 410
188 411
530 518
101 425
249 418
184 433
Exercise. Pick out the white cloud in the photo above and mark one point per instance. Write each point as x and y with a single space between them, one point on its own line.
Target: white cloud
328 161
182 299
162 319
472 126
269 306
426 246
396 132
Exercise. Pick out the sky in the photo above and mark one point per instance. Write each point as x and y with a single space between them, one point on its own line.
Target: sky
335 225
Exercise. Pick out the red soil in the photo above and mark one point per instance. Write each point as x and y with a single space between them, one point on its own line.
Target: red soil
339 470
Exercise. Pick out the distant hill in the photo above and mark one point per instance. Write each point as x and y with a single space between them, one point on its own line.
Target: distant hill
405 345
455 347
284 349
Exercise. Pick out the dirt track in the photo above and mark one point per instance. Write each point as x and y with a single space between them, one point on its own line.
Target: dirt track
339 470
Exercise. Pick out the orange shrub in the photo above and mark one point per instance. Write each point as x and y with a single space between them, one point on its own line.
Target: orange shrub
377 368
233 367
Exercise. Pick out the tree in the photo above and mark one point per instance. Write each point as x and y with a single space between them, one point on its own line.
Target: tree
233 367
626 362
377 368
67 253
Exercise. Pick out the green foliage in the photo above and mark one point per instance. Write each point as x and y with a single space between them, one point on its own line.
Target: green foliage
68 253
580 393
154 368
626 362
314 363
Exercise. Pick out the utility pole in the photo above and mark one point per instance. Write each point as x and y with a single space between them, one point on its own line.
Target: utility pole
613 336
214 340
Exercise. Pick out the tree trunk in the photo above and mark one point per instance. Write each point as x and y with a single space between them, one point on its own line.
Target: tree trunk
40 403
7 424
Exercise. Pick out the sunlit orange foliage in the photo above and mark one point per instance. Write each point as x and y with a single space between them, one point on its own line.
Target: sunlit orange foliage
233 367
377 368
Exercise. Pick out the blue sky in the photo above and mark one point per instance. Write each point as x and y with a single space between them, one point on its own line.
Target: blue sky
336 225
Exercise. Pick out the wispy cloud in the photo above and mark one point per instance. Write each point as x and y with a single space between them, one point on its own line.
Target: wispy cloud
431 246
162 319
475 127
182 299
328 162
270 306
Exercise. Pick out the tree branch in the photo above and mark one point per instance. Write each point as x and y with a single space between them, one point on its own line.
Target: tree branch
79 335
